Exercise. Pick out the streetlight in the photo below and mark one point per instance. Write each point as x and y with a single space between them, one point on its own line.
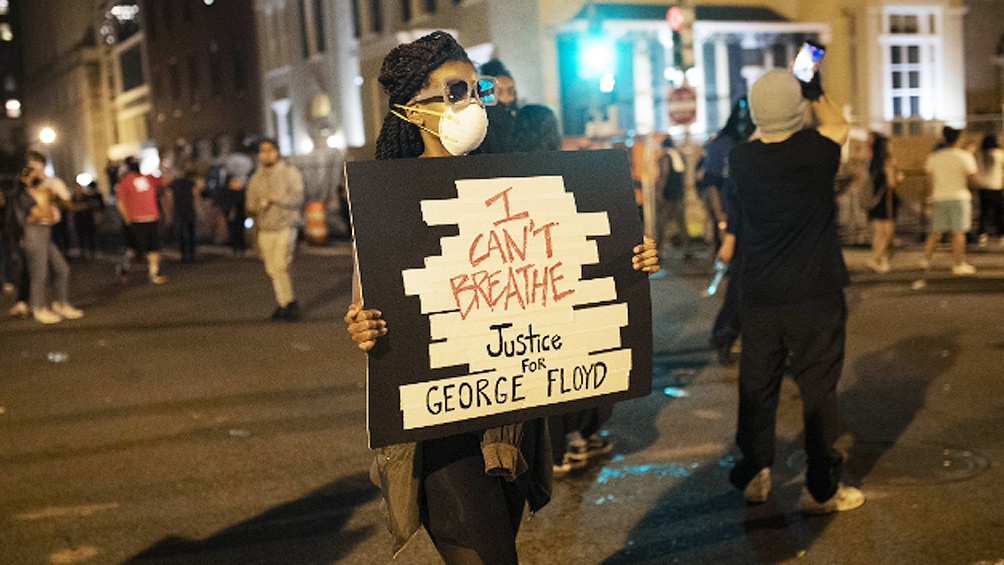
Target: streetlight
47 136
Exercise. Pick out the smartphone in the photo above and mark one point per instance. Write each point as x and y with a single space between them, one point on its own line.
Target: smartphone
807 61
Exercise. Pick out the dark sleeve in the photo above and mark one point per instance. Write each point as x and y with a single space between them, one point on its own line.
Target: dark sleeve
733 194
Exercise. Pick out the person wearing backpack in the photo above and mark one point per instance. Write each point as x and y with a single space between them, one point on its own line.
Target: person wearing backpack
671 209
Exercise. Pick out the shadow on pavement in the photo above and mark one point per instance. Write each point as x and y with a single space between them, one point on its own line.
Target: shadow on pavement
890 389
309 530
704 520
672 373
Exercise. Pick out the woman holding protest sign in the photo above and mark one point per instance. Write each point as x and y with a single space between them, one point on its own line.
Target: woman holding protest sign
469 489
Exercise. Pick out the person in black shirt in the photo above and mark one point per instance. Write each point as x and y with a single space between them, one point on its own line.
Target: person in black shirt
501 116
183 190
792 279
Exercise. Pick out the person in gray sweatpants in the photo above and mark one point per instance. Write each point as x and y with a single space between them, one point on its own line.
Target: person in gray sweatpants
41 253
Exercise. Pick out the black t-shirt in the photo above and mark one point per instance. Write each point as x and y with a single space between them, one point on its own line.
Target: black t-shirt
184 199
785 219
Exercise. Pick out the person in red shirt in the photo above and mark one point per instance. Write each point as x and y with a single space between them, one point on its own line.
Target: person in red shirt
136 196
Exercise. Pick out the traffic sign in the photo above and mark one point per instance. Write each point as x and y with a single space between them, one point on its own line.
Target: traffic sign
675 18
682 104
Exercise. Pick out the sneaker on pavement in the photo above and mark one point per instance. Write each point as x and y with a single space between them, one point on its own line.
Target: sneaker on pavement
577 449
66 311
293 313
597 446
880 267
759 488
8 288
846 498
963 269
158 279
20 310
46 316
924 263
568 465
983 240
279 313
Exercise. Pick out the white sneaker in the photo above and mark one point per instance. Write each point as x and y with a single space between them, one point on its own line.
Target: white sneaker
8 288
759 488
66 311
846 498
46 316
880 267
983 240
963 269
20 310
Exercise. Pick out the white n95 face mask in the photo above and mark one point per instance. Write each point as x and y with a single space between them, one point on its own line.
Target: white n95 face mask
463 131
460 131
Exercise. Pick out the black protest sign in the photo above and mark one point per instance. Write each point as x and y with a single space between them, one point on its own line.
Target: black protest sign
507 287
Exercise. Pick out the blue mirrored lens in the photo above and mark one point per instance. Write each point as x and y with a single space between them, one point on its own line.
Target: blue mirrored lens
486 91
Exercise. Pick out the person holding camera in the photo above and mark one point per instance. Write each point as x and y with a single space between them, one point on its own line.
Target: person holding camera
792 278
47 196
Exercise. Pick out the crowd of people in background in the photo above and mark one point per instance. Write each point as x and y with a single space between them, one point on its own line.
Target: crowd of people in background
182 202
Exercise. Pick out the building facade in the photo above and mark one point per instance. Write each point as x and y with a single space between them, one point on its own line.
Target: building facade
205 82
64 87
11 74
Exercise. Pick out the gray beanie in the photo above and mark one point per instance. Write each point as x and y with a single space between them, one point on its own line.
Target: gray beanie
776 104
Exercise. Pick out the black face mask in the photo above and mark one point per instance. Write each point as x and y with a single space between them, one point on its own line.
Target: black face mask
502 110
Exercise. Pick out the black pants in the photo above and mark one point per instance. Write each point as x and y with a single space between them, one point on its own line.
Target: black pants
472 518
235 233
186 239
991 210
813 333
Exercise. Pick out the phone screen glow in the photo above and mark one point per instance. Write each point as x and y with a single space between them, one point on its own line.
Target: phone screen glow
806 62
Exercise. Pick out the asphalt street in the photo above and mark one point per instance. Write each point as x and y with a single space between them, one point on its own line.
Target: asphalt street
176 424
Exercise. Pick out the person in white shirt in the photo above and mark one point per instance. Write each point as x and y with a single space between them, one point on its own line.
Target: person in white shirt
991 162
950 172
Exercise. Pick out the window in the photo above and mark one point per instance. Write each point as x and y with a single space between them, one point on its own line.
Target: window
909 55
312 27
304 30
376 16
131 67
174 78
167 16
150 24
355 19
214 69
318 15
406 11
430 6
193 76
240 64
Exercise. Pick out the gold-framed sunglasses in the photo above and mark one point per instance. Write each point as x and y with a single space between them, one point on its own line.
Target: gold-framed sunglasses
459 93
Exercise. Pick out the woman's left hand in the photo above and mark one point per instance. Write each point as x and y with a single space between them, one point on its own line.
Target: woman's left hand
646 256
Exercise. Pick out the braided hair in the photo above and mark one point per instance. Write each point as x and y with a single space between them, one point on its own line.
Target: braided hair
404 73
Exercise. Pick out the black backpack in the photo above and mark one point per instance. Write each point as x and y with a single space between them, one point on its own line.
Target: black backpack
673 189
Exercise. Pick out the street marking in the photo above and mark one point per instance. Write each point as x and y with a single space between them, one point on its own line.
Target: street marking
66 511
75 555
707 449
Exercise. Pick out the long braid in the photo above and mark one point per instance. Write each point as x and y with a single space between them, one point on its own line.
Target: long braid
404 73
